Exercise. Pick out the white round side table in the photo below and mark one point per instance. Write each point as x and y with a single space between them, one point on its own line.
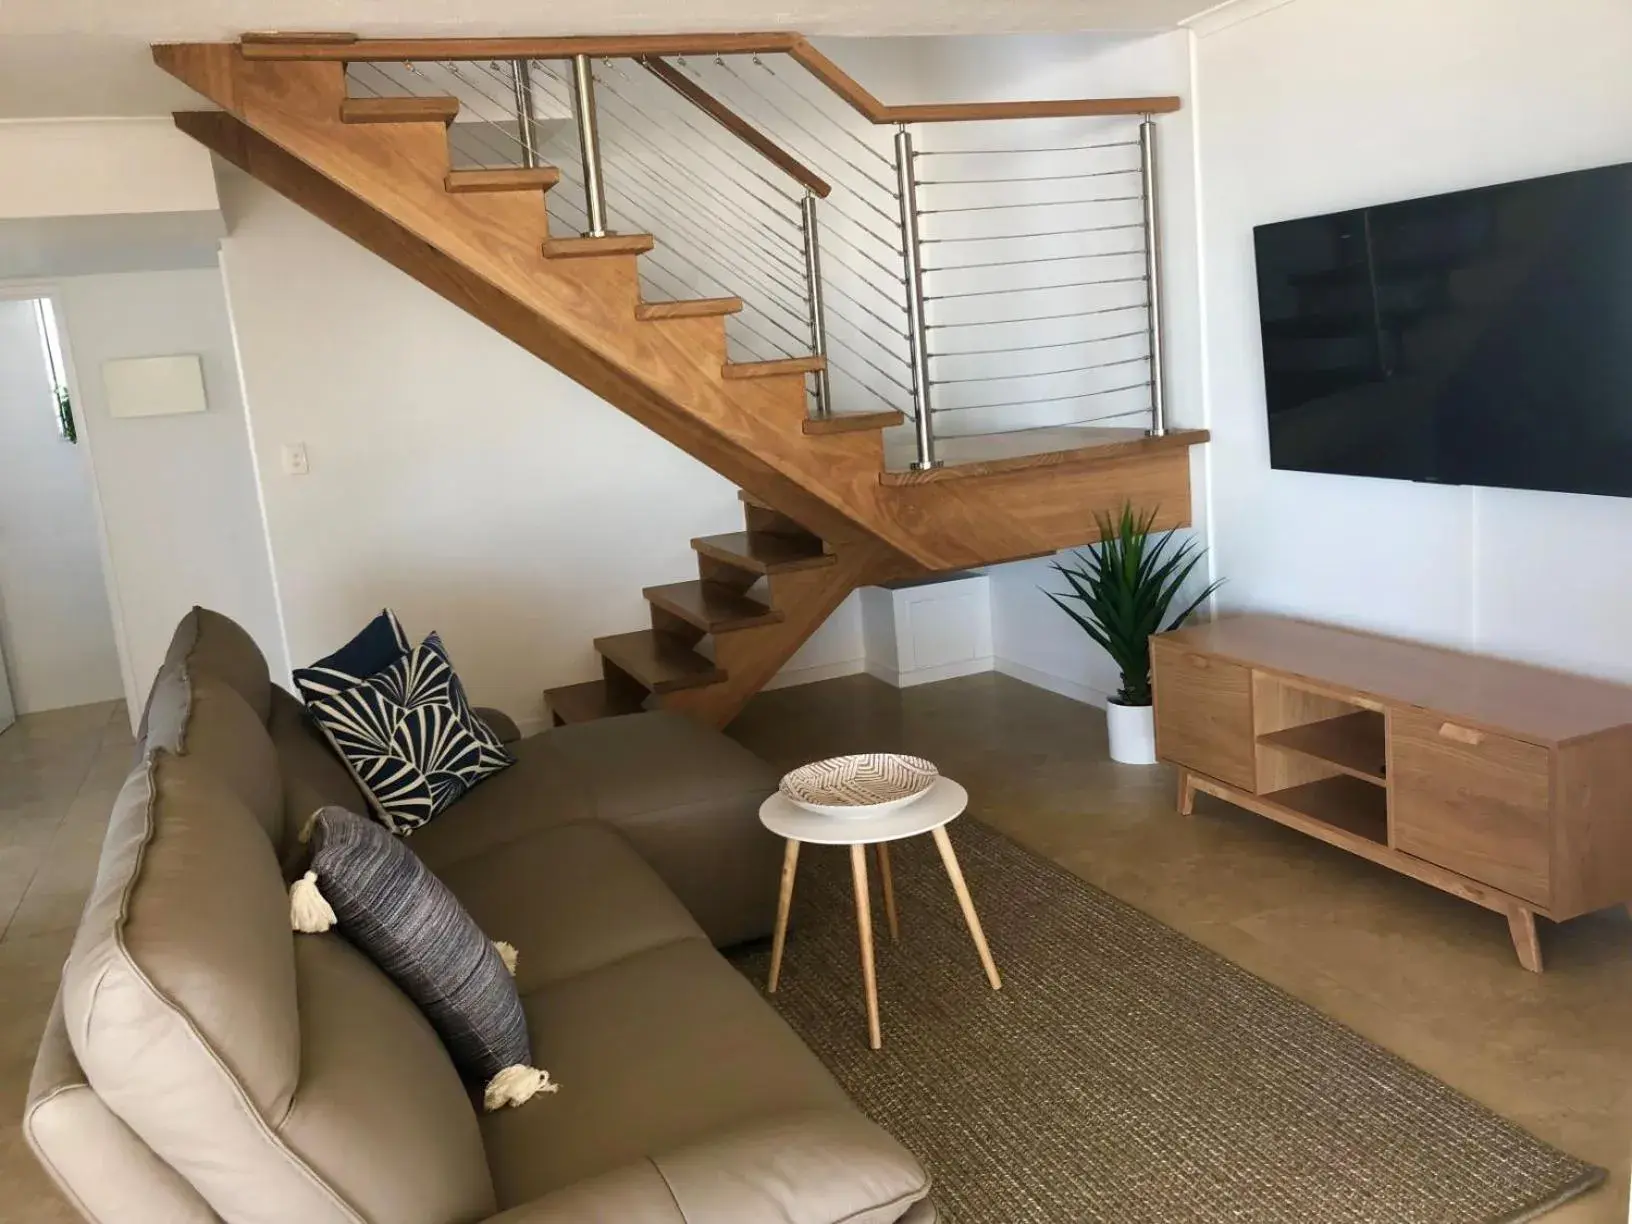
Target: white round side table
943 803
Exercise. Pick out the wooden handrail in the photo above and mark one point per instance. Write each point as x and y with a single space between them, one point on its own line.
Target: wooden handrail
860 99
361 50
350 48
737 126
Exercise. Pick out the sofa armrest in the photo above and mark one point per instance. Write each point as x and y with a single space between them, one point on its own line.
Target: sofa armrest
826 1166
498 722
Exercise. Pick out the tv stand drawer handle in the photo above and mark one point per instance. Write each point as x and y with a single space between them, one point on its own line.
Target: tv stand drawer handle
1462 735
1199 662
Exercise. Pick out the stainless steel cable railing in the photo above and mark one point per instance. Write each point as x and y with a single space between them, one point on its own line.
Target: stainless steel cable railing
982 275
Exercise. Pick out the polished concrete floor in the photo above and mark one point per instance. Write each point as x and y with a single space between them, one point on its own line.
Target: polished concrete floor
1429 977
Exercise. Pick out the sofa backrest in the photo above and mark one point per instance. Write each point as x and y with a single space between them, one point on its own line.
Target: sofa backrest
282 1076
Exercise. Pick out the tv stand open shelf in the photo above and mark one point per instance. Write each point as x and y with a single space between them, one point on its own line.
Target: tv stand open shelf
1506 785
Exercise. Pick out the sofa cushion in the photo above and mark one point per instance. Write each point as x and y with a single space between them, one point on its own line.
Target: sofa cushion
313 776
407 922
378 645
571 898
653 1052
409 735
539 791
199 716
686 797
98 1163
195 1024
381 1113
214 645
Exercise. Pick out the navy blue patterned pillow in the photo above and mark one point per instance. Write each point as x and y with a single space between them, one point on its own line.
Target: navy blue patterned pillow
408 923
381 643
410 736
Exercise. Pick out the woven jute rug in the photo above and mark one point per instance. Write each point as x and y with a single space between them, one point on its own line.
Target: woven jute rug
1125 1073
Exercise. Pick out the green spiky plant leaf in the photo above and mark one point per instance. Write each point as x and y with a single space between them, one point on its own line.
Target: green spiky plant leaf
1124 588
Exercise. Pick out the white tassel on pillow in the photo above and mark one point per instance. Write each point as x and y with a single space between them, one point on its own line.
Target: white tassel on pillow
516 1086
308 911
508 954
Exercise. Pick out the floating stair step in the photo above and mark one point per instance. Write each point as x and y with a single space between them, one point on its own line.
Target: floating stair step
576 703
774 369
853 422
399 110
612 244
700 308
518 178
711 607
761 553
658 661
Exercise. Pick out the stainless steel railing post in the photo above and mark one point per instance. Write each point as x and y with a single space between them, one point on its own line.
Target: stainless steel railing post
906 179
521 78
813 295
589 143
1153 273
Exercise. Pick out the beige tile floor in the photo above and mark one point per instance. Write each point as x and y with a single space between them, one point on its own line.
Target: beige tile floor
1430 977
59 773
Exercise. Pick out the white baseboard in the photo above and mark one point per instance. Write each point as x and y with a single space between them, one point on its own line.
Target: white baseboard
1054 684
788 677
928 675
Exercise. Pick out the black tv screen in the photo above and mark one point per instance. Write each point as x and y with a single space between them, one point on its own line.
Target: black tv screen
1478 338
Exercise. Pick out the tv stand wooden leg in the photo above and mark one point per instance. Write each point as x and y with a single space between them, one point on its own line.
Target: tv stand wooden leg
1187 793
1522 924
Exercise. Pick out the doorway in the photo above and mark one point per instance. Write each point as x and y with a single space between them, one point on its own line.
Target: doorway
57 643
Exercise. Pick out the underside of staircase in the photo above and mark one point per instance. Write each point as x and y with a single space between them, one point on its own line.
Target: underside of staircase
823 515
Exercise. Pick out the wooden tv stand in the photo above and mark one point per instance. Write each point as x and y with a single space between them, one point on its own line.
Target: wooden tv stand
1509 786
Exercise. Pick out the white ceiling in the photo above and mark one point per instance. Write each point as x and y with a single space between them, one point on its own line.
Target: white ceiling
89 57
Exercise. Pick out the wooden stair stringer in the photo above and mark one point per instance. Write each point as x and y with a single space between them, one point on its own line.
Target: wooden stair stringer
806 598
385 186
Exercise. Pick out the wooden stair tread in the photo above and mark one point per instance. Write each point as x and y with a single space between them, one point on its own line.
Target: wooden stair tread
658 661
774 369
1050 446
516 178
399 110
612 244
711 607
576 703
853 422
760 553
698 308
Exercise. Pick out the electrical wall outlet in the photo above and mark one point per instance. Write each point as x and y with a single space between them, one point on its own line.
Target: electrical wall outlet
295 459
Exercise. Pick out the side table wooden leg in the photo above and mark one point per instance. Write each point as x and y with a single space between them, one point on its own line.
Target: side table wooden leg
950 859
864 924
784 902
888 879
1187 794
1521 923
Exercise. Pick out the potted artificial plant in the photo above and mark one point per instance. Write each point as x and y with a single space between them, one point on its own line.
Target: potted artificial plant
1126 584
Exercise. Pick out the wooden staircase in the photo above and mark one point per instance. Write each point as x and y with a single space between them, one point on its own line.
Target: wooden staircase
714 641
823 515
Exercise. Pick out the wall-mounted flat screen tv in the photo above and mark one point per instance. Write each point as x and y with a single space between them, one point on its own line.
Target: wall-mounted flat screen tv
1478 338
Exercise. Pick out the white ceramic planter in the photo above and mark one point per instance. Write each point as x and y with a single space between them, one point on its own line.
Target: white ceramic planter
1133 733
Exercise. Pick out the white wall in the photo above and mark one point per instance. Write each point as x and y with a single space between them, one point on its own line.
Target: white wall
178 495
1321 105
56 632
102 167
454 477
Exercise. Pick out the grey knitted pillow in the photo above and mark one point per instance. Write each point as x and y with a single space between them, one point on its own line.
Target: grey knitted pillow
405 920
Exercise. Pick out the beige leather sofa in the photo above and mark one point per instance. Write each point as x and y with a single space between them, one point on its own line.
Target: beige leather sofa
205 1064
